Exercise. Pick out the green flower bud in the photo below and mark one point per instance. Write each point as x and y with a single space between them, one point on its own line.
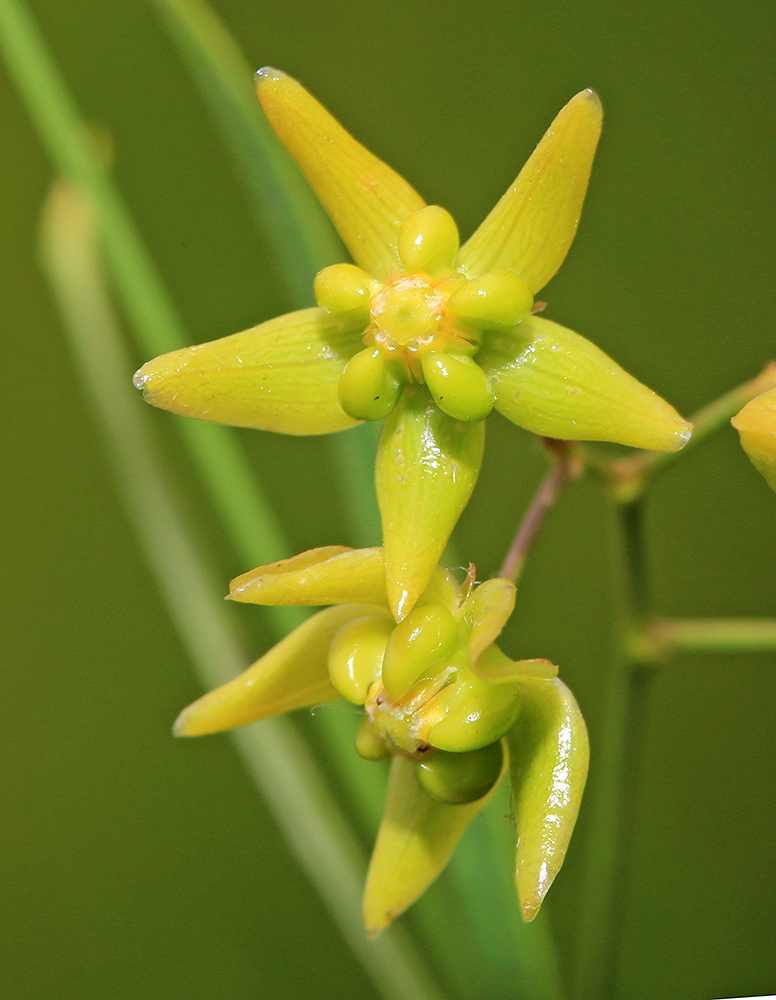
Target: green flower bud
499 298
428 241
356 655
369 387
461 777
344 290
476 713
425 638
368 743
459 386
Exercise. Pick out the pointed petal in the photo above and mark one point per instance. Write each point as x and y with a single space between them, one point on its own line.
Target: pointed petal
548 750
366 200
531 229
292 675
756 426
487 610
553 382
416 838
333 574
427 465
501 670
279 376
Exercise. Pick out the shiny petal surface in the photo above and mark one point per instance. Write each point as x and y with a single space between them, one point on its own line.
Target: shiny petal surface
427 465
548 750
366 200
333 574
487 610
293 674
279 376
497 668
416 838
531 229
553 382
756 426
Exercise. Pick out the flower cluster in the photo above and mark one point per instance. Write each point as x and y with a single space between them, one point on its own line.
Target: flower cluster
439 697
427 334
430 336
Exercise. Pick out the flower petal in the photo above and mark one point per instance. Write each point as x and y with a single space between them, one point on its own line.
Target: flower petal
366 200
333 574
427 465
756 426
497 668
531 229
416 838
548 750
279 376
294 674
553 382
487 610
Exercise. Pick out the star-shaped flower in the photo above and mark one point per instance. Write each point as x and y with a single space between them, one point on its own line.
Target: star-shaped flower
439 697
421 331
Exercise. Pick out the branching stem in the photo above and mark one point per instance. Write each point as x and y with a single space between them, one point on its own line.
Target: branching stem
565 467
626 478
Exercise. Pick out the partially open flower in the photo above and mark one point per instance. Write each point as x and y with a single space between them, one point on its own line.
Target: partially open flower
439 697
423 331
756 426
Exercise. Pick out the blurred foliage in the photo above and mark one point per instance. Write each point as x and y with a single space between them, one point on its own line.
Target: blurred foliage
135 866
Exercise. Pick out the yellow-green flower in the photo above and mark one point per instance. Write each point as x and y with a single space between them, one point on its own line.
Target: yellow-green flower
440 698
421 330
756 426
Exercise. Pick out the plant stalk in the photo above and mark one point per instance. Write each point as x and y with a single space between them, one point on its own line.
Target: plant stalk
617 756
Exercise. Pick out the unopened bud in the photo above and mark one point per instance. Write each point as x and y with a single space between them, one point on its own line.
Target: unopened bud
369 386
425 638
456 778
498 298
459 386
428 241
344 290
356 655
476 713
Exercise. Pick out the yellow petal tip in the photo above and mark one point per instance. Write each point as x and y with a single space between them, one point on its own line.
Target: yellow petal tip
141 377
529 909
181 725
268 74
376 923
592 96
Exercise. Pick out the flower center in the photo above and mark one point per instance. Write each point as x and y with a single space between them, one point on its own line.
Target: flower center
406 315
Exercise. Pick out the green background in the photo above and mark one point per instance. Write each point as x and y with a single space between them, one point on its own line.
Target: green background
134 866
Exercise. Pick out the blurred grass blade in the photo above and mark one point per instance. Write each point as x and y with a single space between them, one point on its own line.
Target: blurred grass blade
290 780
158 328
284 206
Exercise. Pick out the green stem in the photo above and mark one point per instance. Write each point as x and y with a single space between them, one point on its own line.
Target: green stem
617 756
670 636
565 467
280 764
627 477
231 482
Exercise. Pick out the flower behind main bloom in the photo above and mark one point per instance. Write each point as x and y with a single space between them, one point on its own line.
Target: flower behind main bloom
756 426
439 698
427 333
